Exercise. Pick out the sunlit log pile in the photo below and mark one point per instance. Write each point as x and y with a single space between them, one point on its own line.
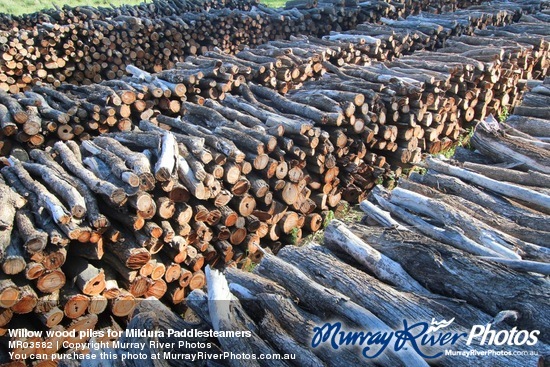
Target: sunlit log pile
118 190
82 45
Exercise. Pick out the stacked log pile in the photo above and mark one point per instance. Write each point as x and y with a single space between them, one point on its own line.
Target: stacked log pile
81 112
394 38
199 164
502 246
91 239
380 117
93 46
155 9
288 298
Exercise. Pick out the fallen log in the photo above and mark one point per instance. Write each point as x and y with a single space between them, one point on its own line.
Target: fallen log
337 236
495 288
323 299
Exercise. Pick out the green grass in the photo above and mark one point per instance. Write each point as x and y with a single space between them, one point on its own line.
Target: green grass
463 141
504 114
274 3
29 6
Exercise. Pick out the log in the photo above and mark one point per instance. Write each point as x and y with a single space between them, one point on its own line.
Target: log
34 240
301 324
9 292
272 331
167 159
45 198
223 307
510 190
89 279
14 256
492 238
530 178
96 219
488 200
138 162
337 236
321 298
506 148
491 295
162 318
522 265
115 194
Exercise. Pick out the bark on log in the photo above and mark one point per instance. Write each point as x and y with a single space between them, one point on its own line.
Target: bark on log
324 299
337 236
226 314
496 287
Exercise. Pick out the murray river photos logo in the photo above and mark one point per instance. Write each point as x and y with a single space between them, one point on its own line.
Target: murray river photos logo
420 337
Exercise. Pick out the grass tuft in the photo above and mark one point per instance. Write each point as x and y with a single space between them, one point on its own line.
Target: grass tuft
503 114
463 141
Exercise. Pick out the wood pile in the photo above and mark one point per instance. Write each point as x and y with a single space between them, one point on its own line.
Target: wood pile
96 44
394 38
287 296
91 239
128 188
155 9
503 215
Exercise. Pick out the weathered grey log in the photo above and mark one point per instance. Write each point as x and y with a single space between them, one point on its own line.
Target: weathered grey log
324 267
254 282
380 216
300 325
449 235
10 201
45 198
67 192
505 148
522 265
477 211
113 193
532 126
226 314
135 160
156 316
513 191
34 239
271 330
115 163
167 158
497 287
323 299
337 236
197 300
487 199
492 238
530 178
96 219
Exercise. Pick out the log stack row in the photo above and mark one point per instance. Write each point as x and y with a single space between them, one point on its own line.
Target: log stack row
99 47
421 102
283 65
394 38
406 235
76 14
288 298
